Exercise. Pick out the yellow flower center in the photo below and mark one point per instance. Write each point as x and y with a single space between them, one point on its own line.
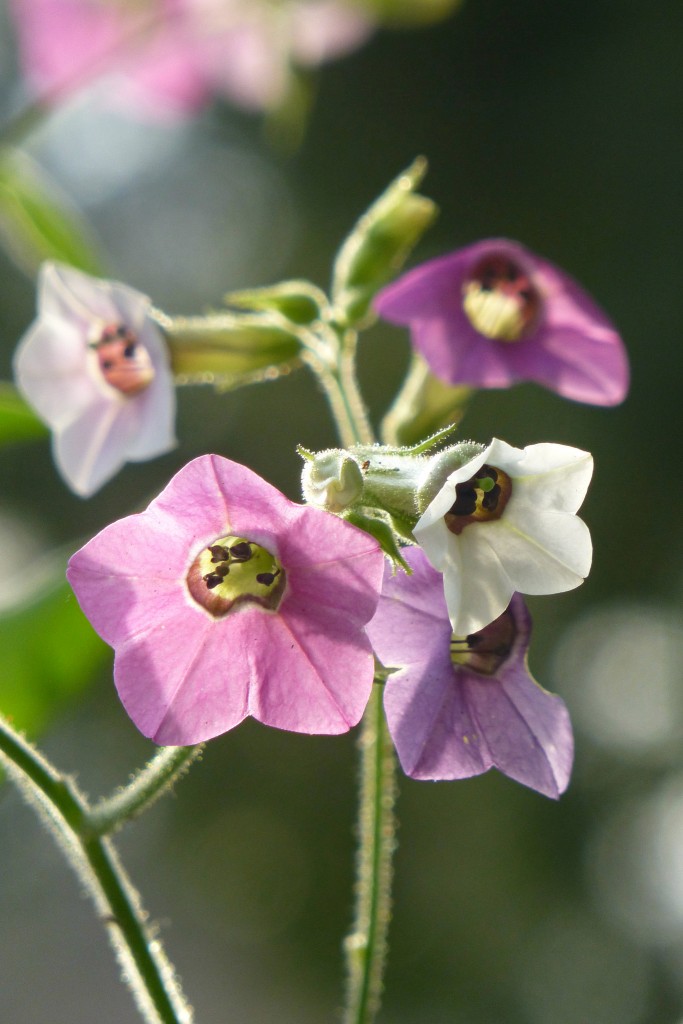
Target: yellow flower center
233 570
480 499
500 299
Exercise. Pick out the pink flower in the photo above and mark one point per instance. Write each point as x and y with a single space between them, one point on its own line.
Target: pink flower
457 706
225 599
95 368
171 56
493 314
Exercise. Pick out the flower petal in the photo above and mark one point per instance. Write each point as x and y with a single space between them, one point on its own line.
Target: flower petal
548 553
431 725
526 730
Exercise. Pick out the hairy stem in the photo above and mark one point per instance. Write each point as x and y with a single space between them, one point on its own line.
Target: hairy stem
68 817
366 945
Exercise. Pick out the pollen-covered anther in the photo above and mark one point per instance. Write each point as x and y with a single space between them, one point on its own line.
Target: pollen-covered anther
233 570
500 299
123 361
485 651
480 499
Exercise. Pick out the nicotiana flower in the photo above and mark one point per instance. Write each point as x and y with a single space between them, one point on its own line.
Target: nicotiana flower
172 56
494 313
457 706
225 599
95 368
505 522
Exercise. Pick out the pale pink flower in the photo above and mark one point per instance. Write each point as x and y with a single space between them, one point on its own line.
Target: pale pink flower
225 599
95 367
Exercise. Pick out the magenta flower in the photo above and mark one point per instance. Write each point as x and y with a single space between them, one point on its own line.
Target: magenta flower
493 314
172 56
225 599
457 706
96 369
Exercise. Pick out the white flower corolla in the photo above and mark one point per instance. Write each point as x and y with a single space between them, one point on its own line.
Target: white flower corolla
506 522
96 369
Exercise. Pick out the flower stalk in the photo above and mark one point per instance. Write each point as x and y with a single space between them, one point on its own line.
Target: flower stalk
366 945
79 832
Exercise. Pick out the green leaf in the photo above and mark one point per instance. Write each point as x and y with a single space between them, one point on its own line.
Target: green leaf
18 422
37 222
380 243
49 653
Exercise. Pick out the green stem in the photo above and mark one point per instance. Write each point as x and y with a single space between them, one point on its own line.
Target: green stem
332 356
147 786
67 815
366 945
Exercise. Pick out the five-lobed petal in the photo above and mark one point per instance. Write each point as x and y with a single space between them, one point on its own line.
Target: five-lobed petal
450 721
76 379
532 323
184 675
537 546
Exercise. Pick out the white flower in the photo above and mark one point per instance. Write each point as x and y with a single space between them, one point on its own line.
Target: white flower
95 368
505 522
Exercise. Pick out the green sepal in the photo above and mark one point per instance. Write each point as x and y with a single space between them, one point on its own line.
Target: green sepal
18 422
378 525
298 301
380 243
422 406
407 13
229 349
37 222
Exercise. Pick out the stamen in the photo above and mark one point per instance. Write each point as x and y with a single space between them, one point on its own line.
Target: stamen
482 498
124 362
500 299
486 651
232 571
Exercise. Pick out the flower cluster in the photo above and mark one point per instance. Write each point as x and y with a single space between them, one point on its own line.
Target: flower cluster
224 599
172 56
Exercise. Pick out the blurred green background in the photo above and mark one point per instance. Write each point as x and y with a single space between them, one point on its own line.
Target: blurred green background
557 124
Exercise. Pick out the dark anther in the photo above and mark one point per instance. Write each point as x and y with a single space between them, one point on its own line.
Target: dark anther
465 500
490 471
490 499
473 639
267 578
241 552
219 553
212 579
129 350
107 364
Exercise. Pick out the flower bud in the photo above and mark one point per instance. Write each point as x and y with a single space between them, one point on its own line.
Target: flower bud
380 243
332 480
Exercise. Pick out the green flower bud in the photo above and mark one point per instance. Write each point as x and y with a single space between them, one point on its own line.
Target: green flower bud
332 479
380 243
229 348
